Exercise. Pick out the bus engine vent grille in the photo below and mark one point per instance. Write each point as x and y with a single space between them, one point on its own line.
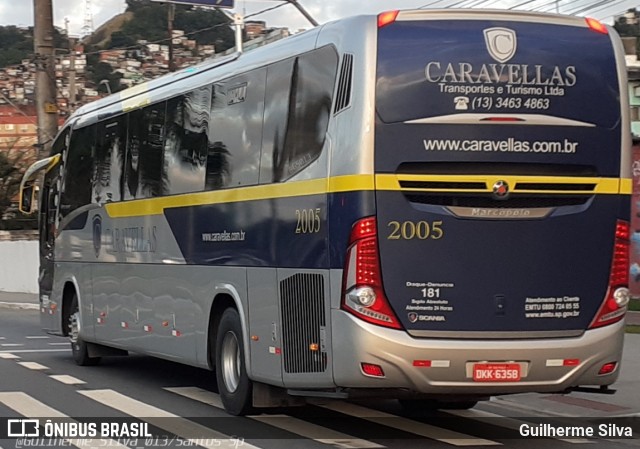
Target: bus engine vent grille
303 323
343 96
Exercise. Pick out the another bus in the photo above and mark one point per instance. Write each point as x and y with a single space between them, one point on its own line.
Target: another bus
431 206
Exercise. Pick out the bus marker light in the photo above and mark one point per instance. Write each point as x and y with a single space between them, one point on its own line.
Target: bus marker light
100 320
607 368
255 338
103 314
53 306
124 325
148 328
176 333
571 362
387 18
370 369
314 347
274 350
165 324
596 25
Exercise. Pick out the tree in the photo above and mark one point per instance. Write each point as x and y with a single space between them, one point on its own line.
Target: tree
103 71
10 178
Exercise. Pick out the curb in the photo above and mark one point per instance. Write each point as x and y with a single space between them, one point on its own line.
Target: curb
18 306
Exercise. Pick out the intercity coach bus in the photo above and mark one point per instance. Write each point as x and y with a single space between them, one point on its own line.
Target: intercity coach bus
431 206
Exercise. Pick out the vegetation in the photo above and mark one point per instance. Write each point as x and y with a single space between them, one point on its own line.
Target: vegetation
10 177
145 20
627 29
17 44
150 23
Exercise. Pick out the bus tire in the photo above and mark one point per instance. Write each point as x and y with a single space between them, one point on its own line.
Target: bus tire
234 386
79 348
421 405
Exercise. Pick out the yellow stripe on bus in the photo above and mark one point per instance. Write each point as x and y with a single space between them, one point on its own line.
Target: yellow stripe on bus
353 183
601 186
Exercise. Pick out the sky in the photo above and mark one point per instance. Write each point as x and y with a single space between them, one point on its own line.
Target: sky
20 12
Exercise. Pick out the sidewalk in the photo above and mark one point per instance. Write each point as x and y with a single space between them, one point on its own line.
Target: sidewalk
9 300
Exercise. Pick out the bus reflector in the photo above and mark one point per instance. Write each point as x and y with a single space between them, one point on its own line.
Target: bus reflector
607 368
372 370
386 18
615 303
596 25
422 363
363 295
571 362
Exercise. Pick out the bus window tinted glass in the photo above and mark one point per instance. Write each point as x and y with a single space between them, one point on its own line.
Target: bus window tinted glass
78 166
110 147
186 144
308 104
144 168
276 113
235 137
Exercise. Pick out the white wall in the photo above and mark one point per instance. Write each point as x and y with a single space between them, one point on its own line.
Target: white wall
19 266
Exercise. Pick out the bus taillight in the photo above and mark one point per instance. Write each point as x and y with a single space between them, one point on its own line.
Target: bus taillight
363 295
615 304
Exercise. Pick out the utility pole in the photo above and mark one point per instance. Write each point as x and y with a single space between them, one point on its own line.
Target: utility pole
72 68
45 75
170 18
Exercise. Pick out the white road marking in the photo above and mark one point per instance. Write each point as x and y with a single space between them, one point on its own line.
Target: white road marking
296 426
69 380
37 337
12 345
66 343
408 425
18 305
25 351
29 407
185 429
8 355
508 423
33 365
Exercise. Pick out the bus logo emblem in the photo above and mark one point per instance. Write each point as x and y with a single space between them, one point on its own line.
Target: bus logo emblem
501 43
97 234
501 190
413 317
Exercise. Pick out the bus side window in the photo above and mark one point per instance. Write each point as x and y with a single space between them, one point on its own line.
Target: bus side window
107 170
78 169
235 132
300 93
144 166
185 141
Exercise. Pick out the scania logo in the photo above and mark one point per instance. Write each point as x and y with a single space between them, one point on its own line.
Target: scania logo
501 190
501 43
413 317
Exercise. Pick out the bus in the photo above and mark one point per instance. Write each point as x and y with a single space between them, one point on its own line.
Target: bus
431 206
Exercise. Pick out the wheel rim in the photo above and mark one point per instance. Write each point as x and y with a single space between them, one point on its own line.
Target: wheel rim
230 362
74 327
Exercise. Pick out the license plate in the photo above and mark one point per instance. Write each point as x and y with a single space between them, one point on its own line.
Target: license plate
496 372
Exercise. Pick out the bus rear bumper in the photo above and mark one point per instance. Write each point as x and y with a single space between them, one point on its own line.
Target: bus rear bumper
445 366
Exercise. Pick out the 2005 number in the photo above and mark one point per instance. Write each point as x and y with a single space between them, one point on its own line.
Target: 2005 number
308 221
410 230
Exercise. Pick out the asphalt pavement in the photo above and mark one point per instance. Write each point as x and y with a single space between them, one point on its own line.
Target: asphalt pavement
625 401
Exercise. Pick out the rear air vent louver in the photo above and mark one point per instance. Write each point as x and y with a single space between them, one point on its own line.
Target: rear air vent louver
303 323
343 97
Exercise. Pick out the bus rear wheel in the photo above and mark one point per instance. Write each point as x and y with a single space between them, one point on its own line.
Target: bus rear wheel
234 386
79 348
